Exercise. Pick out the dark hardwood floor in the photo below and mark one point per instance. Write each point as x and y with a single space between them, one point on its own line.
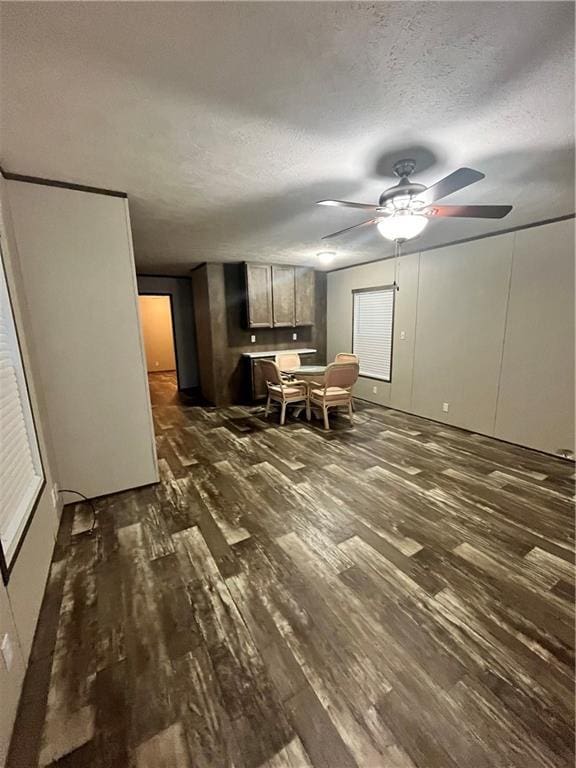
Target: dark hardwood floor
395 594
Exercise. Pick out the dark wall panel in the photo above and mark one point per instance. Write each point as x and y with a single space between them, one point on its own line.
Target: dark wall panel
223 335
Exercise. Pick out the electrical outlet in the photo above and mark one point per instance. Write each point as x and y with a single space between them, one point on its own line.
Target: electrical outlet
253 339
403 335
7 652
374 390
445 407
55 494
294 337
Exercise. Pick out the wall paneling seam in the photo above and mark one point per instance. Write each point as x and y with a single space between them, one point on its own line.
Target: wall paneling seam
503 348
413 366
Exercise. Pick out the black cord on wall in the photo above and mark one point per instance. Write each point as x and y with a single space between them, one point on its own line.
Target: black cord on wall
92 505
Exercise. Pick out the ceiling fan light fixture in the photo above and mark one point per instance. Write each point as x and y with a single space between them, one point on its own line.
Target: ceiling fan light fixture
402 225
400 203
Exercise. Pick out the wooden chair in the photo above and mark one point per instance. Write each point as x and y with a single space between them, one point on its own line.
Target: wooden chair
281 391
337 390
346 357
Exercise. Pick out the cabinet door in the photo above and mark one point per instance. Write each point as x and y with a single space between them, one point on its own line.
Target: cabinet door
259 388
259 295
283 296
304 289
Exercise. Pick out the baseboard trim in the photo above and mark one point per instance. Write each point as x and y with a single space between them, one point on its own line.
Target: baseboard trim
469 431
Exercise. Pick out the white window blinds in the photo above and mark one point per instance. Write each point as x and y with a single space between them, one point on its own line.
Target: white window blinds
21 475
373 318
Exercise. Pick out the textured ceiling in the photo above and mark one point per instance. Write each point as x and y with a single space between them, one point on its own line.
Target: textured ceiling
224 122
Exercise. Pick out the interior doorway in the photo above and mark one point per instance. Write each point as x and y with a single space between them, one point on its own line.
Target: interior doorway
158 331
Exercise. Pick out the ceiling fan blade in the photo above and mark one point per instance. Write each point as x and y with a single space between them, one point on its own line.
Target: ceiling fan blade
470 211
347 204
341 231
461 178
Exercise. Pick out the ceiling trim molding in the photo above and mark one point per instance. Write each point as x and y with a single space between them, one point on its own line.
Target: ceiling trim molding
460 242
165 277
178 277
9 176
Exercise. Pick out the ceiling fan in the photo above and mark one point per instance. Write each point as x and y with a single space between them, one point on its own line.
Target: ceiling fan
404 210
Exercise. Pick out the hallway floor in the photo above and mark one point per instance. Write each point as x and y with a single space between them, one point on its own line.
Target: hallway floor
164 391
395 594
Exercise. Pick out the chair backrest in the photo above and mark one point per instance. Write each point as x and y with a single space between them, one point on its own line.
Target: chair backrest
288 361
343 375
346 357
270 371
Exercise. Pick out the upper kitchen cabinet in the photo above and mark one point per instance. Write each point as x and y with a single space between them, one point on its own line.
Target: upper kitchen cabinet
259 295
283 301
279 296
304 282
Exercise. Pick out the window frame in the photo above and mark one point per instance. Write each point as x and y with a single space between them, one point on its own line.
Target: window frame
6 566
393 287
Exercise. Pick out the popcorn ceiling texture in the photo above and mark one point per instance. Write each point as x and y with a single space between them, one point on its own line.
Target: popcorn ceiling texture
224 122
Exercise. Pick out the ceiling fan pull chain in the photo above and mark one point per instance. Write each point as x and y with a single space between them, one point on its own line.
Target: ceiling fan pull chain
397 246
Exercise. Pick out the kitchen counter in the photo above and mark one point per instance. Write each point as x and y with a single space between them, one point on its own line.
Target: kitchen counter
273 352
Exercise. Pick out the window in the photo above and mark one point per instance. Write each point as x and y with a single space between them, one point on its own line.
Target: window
21 474
372 324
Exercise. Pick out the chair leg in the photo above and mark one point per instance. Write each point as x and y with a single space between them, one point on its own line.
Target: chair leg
326 422
351 412
267 411
308 411
283 414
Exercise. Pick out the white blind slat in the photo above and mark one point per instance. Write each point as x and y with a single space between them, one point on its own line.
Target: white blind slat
20 467
372 331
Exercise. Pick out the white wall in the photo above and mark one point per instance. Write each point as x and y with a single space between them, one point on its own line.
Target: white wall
536 403
489 329
462 300
79 281
20 600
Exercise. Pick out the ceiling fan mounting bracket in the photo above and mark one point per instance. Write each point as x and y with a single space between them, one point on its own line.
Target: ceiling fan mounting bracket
403 168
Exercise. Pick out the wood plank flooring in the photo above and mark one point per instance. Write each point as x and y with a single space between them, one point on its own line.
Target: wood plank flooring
398 594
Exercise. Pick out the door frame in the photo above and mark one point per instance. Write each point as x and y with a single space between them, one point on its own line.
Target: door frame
167 293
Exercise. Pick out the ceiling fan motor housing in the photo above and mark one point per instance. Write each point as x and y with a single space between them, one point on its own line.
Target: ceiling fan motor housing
404 187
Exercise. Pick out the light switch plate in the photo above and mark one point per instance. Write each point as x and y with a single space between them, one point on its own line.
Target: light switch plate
253 339
294 337
7 651
445 407
374 390
403 335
